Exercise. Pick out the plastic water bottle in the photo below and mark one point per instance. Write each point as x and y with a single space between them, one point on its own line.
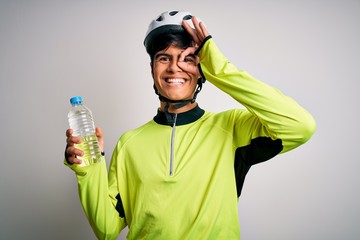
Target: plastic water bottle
82 122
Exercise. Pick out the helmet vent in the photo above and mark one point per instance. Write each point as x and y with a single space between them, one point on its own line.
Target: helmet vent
159 19
187 17
173 13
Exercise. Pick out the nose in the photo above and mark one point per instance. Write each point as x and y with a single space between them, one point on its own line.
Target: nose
173 66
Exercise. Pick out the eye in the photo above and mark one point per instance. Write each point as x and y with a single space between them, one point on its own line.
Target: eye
162 58
190 59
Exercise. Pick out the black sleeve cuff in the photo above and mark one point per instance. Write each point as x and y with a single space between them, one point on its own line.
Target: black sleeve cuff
202 44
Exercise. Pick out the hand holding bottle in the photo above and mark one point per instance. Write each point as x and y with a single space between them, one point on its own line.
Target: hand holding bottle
71 151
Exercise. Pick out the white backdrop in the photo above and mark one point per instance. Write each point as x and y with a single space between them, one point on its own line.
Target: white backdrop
52 50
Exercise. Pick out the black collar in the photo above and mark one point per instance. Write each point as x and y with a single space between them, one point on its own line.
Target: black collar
181 119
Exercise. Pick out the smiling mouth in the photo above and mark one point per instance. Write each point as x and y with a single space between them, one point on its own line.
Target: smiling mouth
175 80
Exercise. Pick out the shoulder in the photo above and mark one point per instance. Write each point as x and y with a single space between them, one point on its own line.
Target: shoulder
131 134
227 115
226 119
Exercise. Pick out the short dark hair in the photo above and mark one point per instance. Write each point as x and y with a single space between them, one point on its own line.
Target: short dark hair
165 40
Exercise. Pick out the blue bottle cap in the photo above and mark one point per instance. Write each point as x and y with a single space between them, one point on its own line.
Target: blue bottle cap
76 100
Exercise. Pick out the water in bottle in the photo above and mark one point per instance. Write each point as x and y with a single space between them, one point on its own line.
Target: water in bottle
82 122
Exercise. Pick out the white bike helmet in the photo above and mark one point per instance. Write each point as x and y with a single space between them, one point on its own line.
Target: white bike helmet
170 21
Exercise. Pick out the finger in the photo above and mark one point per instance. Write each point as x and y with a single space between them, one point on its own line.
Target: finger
203 30
74 160
190 68
69 132
73 140
200 28
195 21
191 31
71 153
99 134
187 51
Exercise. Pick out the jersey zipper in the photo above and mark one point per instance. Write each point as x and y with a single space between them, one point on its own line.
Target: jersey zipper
172 152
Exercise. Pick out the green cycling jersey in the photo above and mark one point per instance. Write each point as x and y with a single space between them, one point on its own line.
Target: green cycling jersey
180 178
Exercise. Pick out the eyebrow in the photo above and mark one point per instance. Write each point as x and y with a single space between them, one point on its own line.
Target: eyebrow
169 55
162 55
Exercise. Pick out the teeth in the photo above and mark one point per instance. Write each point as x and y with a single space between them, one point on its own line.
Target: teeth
175 80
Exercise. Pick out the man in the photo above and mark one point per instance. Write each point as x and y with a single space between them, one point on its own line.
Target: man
179 176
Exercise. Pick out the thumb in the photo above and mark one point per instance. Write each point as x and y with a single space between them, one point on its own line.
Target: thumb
99 134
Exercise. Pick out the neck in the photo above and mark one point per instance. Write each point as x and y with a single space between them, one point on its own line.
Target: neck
173 109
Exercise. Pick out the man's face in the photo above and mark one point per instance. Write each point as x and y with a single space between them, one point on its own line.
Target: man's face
170 80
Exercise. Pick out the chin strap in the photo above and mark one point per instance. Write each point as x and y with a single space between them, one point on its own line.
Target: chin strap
178 103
